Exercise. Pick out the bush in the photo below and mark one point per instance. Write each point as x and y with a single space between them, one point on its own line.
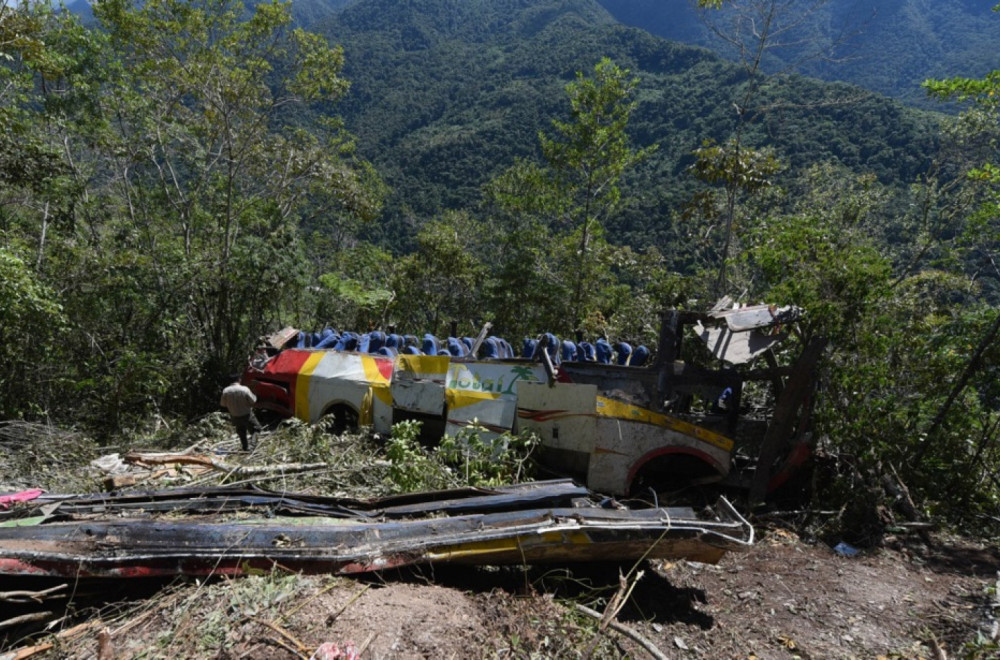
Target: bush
468 459
491 461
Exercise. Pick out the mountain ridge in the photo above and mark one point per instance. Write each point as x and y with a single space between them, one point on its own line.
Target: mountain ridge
887 46
442 119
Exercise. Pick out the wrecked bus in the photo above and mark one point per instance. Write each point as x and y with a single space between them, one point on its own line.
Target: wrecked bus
621 429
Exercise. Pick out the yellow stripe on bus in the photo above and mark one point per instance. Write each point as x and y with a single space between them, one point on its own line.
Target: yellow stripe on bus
462 398
372 373
302 385
620 410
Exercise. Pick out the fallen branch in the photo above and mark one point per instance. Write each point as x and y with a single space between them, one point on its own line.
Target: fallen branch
25 618
285 468
301 648
625 630
26 596
149 460
900 494
621 597
800 512
28 651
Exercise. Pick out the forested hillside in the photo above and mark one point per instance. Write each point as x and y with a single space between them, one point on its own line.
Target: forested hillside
888 46
442 102
182 177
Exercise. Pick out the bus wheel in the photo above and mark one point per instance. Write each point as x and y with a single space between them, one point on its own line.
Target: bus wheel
345 418
676 478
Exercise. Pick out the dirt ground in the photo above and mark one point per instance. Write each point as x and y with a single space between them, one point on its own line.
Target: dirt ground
784 598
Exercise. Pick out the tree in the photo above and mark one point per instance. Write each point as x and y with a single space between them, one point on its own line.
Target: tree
752 29
571 195
442 280
587 158
982 234
175 181
355 289
893 339
738 170
527 293
44 57
31 320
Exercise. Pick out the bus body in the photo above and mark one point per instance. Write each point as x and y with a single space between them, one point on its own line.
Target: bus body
617 428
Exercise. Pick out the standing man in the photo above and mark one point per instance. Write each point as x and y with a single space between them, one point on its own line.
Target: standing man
238 400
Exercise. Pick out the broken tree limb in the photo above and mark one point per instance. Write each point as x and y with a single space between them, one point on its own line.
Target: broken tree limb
285 468
625 630
895 488
36 596
619 598
26 618
72 633
147 460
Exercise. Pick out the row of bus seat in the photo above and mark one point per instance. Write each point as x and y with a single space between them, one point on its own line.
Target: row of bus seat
377 342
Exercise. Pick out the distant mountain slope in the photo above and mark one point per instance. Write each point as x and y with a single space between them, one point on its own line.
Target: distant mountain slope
304 12
448 93
888 46
445 93
307 12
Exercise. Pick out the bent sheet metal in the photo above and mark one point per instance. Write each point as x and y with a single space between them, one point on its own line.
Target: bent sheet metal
236 531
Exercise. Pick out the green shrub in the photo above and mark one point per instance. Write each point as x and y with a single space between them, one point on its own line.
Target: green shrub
491 461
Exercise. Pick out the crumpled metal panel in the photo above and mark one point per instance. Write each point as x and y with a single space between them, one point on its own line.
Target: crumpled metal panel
529 523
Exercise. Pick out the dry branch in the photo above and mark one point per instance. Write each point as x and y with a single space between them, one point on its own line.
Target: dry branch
625 630
36 596
148 460
71 633
26 618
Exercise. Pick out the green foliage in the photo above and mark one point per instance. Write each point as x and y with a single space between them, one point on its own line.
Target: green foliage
31 324
173 185
493 461
898 343
981 91
411 467
738 171
822 266
587 159
439 132
353 299
831 40
440 282
464 460
355 284
156 181
554 251
526 293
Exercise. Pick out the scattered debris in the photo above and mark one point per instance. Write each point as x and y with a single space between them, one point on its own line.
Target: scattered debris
846 550
24 496
235 531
